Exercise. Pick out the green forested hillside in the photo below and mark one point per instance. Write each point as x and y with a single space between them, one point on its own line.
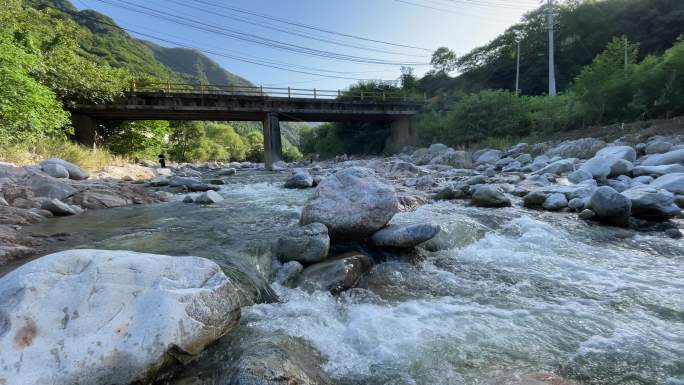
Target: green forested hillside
583 29
194 66
106 43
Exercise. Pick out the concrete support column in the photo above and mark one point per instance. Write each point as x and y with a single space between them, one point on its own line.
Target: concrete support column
86 128
273 148
403 133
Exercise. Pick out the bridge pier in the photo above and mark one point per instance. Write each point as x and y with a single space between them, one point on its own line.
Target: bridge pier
85 128
403 133
273 148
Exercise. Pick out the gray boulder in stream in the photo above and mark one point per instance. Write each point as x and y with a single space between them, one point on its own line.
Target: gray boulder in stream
489 196
404 236
93 317
651 203
352 203
306 244
336 274
300 179
610 206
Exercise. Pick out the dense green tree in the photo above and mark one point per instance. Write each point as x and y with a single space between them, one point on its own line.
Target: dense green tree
443 60
140 139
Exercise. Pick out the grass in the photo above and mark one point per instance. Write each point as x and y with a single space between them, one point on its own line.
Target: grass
85 157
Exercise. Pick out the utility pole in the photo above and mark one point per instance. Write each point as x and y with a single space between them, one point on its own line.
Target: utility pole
552 66
517 71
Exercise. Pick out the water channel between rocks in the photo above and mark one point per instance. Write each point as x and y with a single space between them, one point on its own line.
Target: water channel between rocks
508 293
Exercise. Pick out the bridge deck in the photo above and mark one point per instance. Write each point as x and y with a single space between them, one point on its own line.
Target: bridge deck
202 106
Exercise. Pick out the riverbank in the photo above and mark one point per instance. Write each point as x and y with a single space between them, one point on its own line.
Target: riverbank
434 266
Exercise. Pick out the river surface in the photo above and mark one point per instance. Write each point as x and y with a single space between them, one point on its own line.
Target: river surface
500 296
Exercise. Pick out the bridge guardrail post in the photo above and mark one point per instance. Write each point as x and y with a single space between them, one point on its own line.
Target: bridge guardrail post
261 91
289 95
314 93
361 94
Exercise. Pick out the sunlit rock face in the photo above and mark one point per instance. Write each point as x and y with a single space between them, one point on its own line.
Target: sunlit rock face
92 317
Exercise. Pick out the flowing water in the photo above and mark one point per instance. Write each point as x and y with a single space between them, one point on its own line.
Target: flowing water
500 296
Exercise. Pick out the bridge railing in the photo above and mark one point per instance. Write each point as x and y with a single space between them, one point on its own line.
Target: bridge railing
214 89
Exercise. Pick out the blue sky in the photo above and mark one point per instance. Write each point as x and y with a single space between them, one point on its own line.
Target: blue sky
458 24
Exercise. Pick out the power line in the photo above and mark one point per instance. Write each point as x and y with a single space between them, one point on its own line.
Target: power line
308 26
292 32
203 26
203 50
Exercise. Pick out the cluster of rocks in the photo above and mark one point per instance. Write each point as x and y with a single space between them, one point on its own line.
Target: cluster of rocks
352 205
55 187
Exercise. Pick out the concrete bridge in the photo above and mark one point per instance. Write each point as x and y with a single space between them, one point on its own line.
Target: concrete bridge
167 101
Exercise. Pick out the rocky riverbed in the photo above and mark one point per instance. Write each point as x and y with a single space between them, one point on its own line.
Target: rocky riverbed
541 264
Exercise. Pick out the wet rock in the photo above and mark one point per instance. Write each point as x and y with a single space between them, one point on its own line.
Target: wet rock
657 147
404 236
672 157
180 181
579 176
555 202
603 167
657 171
477 179
558 167
353 203
306 244
618 152
227 172
199 187
454 191
3 202
59 208
188 199
580 148
651 203
453 158
336 274
287 274
489 196
644 179
679 200
674 233
112 195
673 183
524 159
208 197
610 206
618 185
75 172
586 214
488 156
514 166
159 181
577 204
92 317
278 360
404 168
535 199
300 179
55 170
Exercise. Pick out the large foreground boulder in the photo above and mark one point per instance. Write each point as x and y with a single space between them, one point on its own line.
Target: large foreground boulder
352 203
610 206
75 172
652 203
93 317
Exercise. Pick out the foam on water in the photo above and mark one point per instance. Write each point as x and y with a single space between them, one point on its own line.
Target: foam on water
527 297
